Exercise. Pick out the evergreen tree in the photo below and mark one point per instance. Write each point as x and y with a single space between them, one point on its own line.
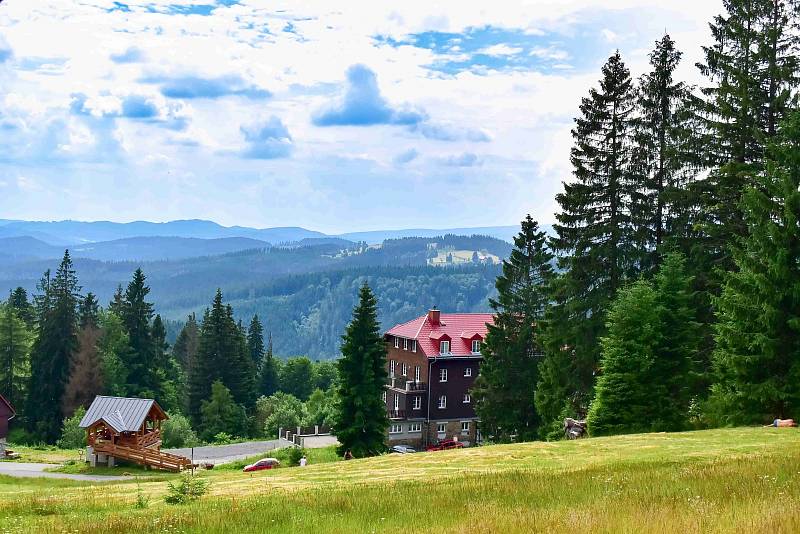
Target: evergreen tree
86 372
117 304
255 340
136 315
18 299
113 348
297 377
665 153
269 373
505 389
185 348
361 419
88 311
757 359
15 345
220 413
598 241
55 343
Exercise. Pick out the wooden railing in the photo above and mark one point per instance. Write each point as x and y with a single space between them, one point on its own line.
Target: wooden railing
148 457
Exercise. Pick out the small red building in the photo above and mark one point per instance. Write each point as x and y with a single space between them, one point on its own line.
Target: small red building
7 413
432 363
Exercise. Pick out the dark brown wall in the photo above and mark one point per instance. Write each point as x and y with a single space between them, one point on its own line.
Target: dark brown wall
3 427
455 387
410 358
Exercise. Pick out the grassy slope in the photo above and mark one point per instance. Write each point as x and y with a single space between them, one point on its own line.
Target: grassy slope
722 480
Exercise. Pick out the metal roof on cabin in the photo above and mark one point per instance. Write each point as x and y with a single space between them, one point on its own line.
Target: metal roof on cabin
122 413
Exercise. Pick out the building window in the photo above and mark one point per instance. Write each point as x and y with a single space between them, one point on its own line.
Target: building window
467 398
414 346
395 429
444 347
442 375
415 427
405 344
417 402
396 342
468 371
396 402
405 369
384 396
443 402
465 428
391 368
476 346
441 428
416 373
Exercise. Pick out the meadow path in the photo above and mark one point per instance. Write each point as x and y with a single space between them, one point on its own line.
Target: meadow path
33 470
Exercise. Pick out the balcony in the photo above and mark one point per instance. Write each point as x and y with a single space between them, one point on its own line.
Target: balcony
404 384
396 414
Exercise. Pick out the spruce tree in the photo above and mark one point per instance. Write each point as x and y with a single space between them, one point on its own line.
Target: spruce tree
757 359
185 348
15 345
361 420
269 372
598 239
505 389
255 340
220 413
18 299
88 311
137 314
117 303
50 356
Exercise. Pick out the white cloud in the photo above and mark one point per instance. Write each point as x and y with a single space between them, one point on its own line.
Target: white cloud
500 50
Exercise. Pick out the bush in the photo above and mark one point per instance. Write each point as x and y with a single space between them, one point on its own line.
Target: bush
176 432
295 453
222 438
281 410
73 436
221 414
187 488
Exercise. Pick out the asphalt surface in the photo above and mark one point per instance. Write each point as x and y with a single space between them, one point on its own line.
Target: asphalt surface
31 470
220 454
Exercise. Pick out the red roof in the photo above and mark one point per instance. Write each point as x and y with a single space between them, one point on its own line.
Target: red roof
453 325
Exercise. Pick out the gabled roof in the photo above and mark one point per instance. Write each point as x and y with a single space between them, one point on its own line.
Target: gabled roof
452 325
8 405
123 414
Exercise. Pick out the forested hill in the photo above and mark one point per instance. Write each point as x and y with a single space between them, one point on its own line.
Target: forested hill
303 294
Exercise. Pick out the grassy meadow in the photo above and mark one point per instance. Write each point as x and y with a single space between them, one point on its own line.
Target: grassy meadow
732 480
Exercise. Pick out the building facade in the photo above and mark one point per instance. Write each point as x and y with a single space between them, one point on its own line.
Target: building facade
432 362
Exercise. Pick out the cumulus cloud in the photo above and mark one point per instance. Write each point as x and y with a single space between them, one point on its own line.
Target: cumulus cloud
448 132
130 55
5 50
363 105
193 86
405 157
500 49
138 107
135 107
268 139
467 159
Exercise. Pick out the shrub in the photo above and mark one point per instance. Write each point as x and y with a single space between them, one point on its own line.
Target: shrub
176 432
221 413
187 488
222 438
295 453
72 436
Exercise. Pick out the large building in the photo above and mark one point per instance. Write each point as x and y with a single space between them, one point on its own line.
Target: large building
432 363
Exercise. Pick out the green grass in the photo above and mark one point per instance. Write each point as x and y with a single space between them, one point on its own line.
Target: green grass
733 480
314 456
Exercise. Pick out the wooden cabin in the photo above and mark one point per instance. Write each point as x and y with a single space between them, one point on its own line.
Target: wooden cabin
122 421
7 413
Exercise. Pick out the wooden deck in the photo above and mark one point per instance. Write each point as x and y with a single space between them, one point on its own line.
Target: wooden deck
143 456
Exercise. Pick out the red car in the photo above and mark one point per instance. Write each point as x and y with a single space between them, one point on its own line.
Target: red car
445 444
264 463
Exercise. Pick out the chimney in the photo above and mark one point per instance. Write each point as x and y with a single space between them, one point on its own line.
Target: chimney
433 316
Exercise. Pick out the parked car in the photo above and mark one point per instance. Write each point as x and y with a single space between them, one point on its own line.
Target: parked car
264 463
402 449
445 444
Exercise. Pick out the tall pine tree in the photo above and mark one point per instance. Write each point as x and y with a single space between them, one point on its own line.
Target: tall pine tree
255 340
598 240
15 345
757 359
505 389
18 299
269 372
136 315
361 419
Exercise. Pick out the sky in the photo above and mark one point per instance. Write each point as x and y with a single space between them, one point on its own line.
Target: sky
335 116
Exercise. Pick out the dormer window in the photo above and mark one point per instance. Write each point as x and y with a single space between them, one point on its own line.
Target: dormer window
444 347
476 346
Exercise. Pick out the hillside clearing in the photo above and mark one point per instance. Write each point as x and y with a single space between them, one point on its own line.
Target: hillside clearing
719 480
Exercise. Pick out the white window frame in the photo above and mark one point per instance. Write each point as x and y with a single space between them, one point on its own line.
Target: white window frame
468 371
405 369
395 429
392 364
396 342
444 347
476 344
467 398
413 345
417 373
396 402
405 344
442 402
416 402
384 396
443 375
441 428
414 428
465 427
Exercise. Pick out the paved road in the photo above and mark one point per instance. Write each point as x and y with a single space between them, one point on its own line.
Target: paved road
28 470
220 454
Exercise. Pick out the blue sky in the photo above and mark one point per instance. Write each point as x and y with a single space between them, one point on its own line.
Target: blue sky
337 116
